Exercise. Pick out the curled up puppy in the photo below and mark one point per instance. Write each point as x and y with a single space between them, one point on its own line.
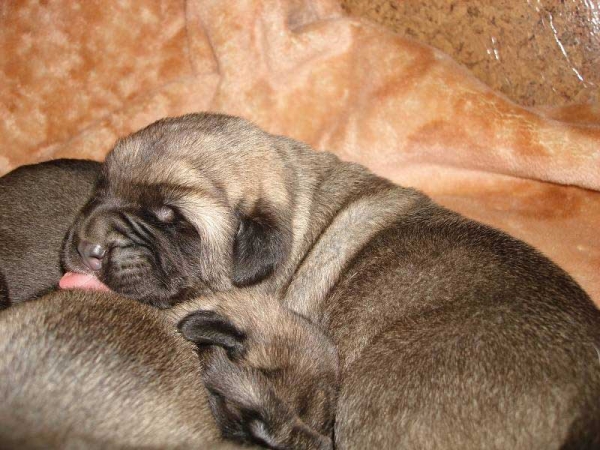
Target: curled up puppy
103 371
272 376
449 333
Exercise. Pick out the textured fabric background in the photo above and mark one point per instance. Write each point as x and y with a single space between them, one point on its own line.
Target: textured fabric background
542 52
74 76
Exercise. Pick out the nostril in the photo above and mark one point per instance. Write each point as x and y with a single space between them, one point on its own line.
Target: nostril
91 254
96 251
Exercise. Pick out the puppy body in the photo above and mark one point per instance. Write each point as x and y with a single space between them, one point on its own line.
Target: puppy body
95 370
38 203
83 369
450 334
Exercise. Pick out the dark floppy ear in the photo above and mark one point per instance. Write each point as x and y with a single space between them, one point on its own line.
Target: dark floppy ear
261 244
211 328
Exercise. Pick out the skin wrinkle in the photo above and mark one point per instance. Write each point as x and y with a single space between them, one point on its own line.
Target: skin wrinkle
312 284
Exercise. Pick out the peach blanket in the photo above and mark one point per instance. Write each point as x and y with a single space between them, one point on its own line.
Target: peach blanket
74 76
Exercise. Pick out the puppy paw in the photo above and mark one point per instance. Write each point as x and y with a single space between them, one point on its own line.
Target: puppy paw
205 328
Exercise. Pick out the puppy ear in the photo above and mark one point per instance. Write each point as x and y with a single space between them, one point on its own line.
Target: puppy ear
261 244
211 328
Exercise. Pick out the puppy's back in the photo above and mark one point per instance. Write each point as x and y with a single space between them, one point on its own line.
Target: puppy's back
93 369
38 203
490 345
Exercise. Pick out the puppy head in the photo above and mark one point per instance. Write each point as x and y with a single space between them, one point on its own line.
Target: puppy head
184 207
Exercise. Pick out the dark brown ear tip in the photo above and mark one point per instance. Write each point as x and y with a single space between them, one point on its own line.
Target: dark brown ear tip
205 328
260 245
192 321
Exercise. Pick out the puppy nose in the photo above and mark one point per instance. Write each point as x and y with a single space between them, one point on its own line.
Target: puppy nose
91 254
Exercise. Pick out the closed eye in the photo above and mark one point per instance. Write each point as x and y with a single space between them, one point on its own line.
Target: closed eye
165 214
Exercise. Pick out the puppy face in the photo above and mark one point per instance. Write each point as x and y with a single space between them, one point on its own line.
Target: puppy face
141 243
172 217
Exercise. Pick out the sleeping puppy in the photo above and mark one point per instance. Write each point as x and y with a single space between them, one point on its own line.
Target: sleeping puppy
76 366
38 203
273 380
450 334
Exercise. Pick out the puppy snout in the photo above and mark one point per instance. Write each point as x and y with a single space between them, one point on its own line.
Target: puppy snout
91 254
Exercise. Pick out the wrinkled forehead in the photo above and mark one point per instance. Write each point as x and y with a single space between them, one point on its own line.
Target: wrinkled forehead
157 171
166 158
169 181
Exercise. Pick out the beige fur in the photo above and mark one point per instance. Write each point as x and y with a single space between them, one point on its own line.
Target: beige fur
92 370
345 236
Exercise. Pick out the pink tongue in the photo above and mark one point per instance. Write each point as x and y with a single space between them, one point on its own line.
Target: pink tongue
72 280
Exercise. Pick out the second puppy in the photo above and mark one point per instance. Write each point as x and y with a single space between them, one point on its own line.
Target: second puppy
273 378
38 203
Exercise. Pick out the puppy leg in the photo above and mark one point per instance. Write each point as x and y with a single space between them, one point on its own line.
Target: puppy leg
244 397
